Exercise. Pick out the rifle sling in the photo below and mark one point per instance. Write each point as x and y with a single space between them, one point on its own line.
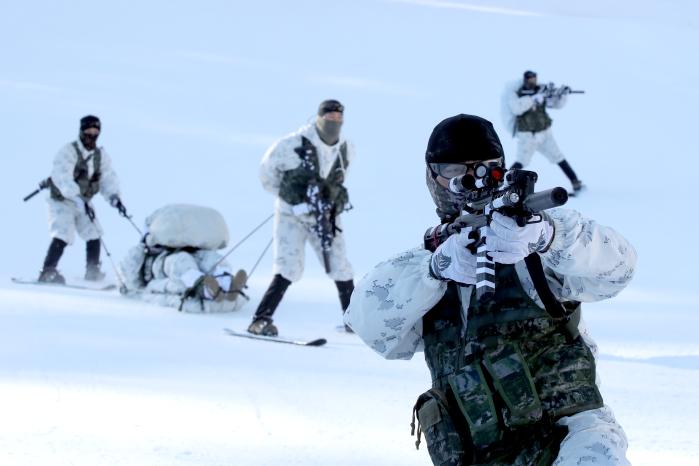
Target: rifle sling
536 270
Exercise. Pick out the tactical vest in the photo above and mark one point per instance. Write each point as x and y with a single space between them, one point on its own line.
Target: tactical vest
500 384
535 119
89 185
294 183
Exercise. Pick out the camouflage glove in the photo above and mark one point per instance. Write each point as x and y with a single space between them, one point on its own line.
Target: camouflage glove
452 260
508 243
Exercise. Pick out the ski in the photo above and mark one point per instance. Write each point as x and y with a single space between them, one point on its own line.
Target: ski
316 342
98 287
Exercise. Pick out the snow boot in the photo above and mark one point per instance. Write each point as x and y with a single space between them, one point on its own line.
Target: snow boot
272 298
208 288
344 290
238 283
93 273
54 253
263 326
92 259
51 275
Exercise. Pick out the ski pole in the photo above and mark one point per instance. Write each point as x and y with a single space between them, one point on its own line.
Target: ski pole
122 285
93 218
140 233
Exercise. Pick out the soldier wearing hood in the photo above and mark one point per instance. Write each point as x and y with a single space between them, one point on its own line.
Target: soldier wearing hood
81 169
513 382
304 169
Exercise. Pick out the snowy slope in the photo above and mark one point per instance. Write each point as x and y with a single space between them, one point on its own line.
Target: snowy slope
191 95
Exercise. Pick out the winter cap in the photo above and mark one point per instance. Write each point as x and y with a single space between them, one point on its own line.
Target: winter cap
529 74
330 105
90 121
461 138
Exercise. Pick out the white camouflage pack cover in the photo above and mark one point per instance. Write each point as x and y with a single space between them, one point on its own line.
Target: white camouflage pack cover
182 225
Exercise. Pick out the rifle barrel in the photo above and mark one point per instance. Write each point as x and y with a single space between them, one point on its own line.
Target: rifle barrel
547 199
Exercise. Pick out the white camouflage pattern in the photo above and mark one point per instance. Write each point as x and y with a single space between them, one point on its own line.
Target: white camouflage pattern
528 143
65 217
172 275
292 231
542 141
594 438
585 262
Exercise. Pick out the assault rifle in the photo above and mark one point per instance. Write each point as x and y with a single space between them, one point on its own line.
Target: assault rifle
43 184
490 190
550 91
322 211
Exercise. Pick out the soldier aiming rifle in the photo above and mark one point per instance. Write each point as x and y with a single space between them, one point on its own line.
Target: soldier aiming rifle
524 105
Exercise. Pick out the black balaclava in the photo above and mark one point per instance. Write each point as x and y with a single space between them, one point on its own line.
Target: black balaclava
458 139
86 122
329 131
528 74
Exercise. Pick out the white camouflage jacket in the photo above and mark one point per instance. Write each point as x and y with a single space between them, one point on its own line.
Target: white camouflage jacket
512 105
280 157
64 166
586 262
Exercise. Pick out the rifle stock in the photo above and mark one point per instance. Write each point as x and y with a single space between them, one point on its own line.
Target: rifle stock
43 184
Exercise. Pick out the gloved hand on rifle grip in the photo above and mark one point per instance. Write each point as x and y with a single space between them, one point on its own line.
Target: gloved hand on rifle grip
115 202
452 260
301 209
508 243
539 98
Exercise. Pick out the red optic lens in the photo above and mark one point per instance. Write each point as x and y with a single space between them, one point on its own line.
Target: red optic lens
497 173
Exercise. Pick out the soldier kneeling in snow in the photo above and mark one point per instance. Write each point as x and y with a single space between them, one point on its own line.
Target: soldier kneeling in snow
177 263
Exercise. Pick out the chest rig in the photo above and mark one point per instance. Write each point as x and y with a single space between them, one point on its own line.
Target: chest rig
501 381
294 184
89 185
535 119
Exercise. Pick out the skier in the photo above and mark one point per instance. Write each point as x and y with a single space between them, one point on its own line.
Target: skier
524 110
314 157
513 377
80 170
178 256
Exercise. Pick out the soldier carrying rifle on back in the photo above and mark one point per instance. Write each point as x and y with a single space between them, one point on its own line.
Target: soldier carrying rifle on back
524 107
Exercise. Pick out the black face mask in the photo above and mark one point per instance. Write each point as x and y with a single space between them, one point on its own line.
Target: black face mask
329 130
89 140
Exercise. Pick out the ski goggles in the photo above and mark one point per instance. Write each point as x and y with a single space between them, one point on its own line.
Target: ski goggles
451 170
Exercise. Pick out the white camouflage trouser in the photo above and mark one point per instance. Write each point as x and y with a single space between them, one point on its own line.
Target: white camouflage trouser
65 217
290 235
542 141
594 438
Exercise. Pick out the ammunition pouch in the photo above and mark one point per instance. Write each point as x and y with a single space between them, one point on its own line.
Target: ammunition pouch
436 420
